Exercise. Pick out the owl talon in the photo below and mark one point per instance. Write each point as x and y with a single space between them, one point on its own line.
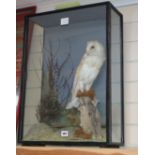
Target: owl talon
90 93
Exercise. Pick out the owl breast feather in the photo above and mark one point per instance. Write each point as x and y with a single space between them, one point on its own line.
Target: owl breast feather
89 71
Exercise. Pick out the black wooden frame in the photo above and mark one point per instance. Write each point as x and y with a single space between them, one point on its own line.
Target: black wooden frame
108 142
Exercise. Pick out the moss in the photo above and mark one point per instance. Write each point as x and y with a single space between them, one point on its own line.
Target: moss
49 109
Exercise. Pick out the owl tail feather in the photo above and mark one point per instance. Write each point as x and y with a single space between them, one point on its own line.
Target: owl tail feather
74 103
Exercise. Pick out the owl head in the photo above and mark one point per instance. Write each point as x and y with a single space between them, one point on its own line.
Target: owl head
95 48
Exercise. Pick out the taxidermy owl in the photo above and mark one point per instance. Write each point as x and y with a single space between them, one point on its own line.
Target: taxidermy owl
87 71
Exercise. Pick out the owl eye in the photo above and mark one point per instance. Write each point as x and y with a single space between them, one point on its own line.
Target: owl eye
92 47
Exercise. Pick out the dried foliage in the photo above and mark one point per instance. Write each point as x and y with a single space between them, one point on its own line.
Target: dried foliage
50 107
48 110
80 133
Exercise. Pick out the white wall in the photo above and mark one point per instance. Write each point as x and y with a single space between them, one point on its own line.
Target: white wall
130 14
44 5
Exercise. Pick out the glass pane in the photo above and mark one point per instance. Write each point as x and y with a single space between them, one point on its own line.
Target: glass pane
116 76
34 76
66 79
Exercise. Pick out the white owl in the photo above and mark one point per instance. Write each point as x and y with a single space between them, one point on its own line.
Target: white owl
87 71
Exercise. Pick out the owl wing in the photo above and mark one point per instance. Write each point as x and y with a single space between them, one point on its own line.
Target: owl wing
74 100
86 73
77 78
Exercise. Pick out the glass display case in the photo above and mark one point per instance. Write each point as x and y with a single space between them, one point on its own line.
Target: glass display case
72 77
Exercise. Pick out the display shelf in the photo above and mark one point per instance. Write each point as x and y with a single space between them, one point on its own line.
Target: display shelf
74 151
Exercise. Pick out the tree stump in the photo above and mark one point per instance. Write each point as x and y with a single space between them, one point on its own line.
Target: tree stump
89 114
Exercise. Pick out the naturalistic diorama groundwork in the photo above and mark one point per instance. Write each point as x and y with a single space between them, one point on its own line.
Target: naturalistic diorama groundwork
72 105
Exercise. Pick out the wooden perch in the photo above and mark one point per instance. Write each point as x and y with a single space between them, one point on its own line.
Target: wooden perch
89 114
